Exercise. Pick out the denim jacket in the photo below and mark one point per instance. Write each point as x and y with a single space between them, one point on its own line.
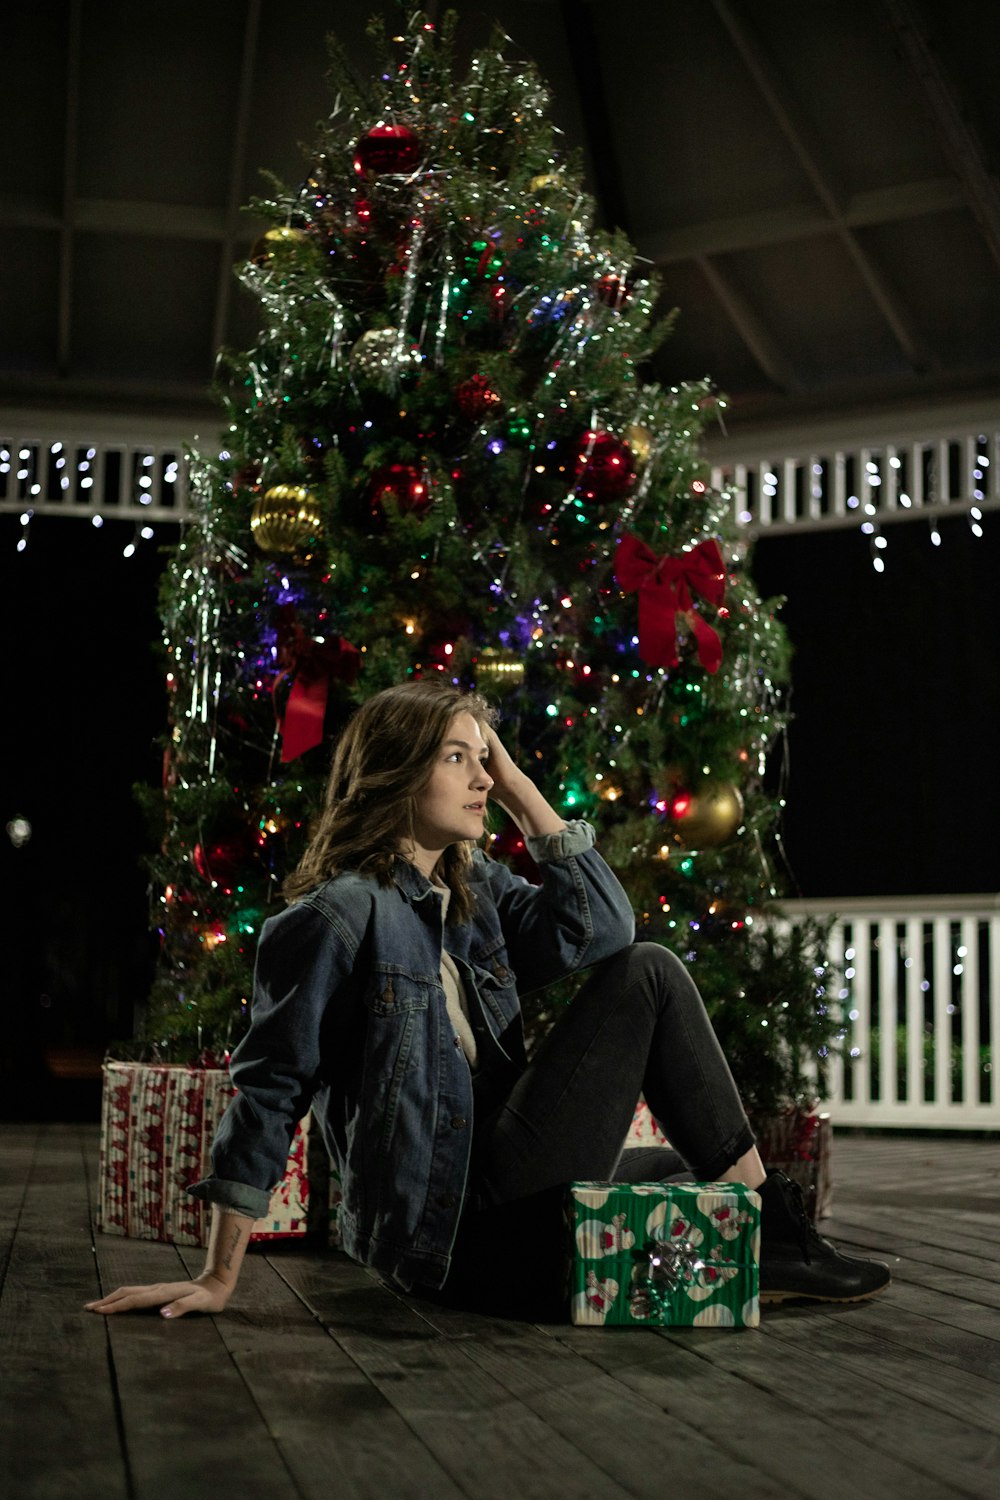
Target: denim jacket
349 1017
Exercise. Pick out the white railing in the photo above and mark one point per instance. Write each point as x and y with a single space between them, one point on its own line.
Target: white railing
864 473
89 467
918 990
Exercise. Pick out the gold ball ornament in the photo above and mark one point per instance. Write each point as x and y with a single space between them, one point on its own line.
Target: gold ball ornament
275 244
286 520
546 180
709 817
640 440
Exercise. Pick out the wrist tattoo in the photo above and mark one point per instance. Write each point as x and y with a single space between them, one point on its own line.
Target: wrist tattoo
230 1250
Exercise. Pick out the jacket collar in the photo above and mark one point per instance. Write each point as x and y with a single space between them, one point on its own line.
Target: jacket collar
411 883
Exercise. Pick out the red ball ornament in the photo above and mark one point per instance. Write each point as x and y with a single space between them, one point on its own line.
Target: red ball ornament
612 291
387 148
476 397
222 863
402 485
246 477
605 466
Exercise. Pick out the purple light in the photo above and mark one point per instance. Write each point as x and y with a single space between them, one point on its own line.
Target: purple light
496 445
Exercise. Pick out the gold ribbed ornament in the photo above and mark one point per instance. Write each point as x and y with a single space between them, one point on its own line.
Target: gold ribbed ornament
286 520
505 668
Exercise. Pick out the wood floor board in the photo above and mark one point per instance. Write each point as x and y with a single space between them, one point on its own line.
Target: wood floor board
603 1417
319 1406
320 1380
485 1438
737 1390
59 1420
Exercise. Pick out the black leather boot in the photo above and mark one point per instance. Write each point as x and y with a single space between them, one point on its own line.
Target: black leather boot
796 1261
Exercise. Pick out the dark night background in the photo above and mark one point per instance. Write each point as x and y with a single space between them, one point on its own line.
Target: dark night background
891 753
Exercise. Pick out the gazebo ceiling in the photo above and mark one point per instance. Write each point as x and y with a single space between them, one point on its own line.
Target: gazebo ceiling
816 184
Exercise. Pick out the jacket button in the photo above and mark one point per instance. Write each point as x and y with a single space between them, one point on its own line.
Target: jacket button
448 1200
459 1122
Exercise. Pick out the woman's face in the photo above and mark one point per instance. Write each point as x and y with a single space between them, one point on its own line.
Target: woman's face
452 806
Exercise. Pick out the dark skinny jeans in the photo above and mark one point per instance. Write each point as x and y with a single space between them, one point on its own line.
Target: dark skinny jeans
637 1024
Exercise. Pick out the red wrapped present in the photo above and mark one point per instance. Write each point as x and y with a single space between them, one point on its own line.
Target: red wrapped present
644 1130
157 1125
798 1141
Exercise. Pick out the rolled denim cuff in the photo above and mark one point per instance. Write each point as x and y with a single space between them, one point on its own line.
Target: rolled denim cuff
232 1197
577 837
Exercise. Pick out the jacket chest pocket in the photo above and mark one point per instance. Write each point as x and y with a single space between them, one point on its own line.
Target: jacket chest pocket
392 992
495 982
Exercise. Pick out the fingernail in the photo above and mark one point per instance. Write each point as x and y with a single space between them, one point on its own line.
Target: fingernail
165 1312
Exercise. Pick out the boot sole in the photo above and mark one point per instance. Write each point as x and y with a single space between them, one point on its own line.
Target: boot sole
770 1298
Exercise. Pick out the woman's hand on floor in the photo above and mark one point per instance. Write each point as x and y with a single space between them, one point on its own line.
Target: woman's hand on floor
206 1294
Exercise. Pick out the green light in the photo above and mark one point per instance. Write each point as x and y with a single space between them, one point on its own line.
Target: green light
687 865
469 117
551 710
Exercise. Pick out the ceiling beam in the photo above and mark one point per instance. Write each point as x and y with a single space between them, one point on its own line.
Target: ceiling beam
802 139
908 200
188 221
960 141
751 329
237 164
64 301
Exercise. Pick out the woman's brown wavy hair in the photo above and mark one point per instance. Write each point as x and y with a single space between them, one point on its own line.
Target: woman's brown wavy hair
383 761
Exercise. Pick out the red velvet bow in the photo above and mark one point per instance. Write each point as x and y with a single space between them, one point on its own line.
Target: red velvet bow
665 585
312 665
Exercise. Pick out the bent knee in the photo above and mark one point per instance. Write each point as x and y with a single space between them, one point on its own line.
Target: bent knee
653 958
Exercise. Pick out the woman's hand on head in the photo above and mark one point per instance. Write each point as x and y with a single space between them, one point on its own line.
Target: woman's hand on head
516 793
506 776
205 1294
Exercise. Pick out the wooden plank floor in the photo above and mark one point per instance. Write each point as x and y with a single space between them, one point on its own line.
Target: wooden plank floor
321 1382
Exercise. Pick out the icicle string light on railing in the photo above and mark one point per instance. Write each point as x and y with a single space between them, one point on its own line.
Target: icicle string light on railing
865 481
936 469
135 477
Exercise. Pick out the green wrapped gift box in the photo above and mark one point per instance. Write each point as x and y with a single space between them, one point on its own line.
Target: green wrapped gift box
665 1253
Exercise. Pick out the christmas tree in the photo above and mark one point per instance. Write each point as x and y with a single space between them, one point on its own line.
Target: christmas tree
441 456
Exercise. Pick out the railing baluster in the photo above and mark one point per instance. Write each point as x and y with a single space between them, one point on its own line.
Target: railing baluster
942 1019
915 1091
836 1061
861 991
887 961
969 1012
994 1002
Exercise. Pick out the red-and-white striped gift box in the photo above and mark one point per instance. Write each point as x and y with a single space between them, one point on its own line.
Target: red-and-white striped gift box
157 1125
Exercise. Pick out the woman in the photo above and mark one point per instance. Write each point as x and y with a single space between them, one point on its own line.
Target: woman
386 998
